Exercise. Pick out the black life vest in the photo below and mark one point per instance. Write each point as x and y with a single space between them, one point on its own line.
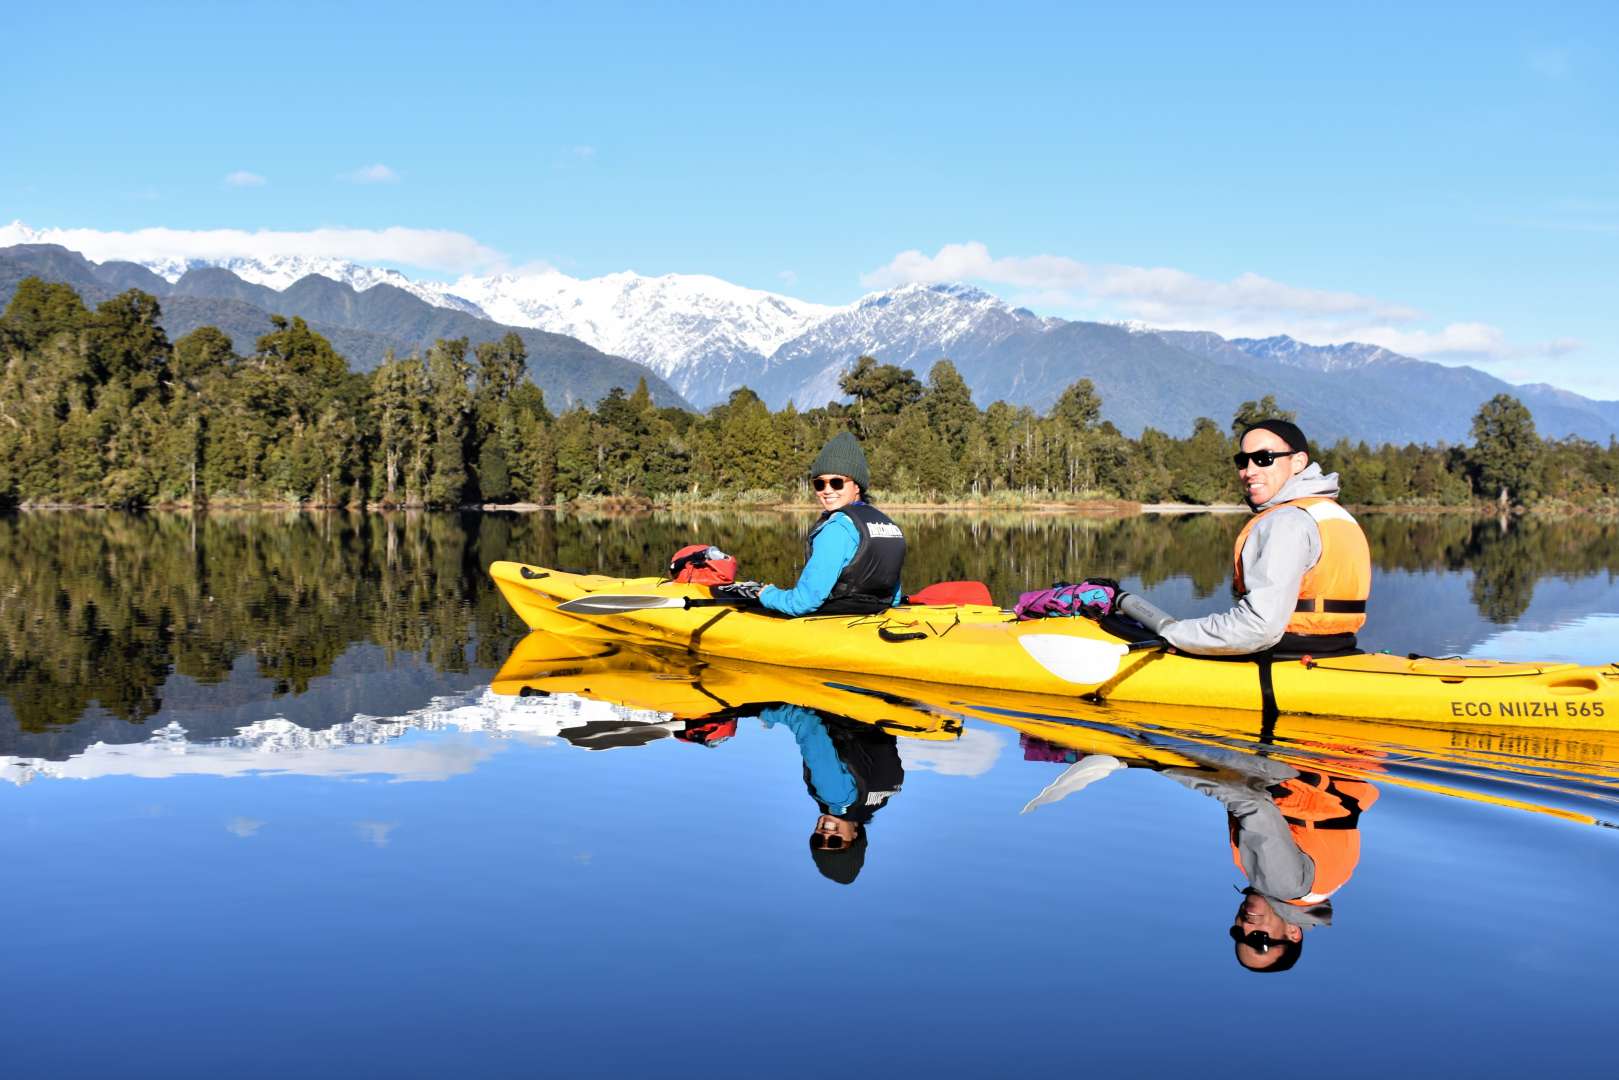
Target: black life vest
872 757
867 585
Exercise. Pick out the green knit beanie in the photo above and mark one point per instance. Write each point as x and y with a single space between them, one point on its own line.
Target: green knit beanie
843 457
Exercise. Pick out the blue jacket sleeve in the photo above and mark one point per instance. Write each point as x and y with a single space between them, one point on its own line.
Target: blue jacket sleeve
833 783
833 549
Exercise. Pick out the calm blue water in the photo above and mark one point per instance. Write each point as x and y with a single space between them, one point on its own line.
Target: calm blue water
391 870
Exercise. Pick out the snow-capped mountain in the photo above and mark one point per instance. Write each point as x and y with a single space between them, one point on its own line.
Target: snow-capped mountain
275 271
1346 357
705 335
279 272
912 326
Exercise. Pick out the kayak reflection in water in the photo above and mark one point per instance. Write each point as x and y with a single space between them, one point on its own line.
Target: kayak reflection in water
1295 835
855 553
851 771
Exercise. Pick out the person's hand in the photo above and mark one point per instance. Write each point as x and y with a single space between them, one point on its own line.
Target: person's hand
746 591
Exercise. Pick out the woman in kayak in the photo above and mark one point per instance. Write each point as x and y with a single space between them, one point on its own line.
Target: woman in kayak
855 553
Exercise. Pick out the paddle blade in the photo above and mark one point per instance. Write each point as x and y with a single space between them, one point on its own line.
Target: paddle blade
1075 659
618 603
1077 777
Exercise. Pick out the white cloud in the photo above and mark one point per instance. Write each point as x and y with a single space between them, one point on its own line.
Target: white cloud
973 754
788 277
1249 305
244 827
430 249
243 178
568 157
1149 293
371 174
375 832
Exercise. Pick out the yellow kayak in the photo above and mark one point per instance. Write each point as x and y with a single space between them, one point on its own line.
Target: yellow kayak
981 646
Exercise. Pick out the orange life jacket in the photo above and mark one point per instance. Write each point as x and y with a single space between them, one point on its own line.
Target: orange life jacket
1323 817
1333 594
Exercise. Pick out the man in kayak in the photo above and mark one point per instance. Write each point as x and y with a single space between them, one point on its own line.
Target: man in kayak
851 771
855 553
1303 570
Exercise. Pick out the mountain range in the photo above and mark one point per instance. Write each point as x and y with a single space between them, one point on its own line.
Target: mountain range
698 338
361 325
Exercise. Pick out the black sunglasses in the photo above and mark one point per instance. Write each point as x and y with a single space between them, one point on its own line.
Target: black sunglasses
823 482
827 842
1263 458
1255 939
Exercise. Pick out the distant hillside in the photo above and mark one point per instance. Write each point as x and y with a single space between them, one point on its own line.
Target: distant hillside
362 326
1159 379
707 337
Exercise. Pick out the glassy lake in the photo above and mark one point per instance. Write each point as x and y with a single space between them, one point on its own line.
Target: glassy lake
295 794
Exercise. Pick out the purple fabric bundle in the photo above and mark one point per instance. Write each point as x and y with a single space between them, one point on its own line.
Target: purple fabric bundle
1095 598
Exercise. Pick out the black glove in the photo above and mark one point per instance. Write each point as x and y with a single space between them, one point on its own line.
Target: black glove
747 591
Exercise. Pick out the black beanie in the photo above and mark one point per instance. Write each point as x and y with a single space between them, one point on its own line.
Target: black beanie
1285 430
842 456
842 865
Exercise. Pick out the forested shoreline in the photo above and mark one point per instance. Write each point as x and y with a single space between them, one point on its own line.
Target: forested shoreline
99 408
105 608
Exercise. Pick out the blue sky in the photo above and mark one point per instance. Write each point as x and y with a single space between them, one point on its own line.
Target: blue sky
1441 178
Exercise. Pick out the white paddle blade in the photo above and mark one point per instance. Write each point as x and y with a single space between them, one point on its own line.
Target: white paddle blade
1077 777
1074 659
614 603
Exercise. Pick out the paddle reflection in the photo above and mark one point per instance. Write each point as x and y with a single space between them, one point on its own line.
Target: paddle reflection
847 736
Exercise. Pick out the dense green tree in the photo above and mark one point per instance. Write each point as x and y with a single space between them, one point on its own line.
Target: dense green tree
450 400
949 404
1506 451
1252 412
880 392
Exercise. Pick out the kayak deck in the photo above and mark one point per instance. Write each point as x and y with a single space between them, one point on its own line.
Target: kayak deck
984 646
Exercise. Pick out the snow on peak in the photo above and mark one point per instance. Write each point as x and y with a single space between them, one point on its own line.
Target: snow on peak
671 323
274 271
279 272
1342 357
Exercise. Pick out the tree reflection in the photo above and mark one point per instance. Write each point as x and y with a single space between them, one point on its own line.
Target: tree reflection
99 610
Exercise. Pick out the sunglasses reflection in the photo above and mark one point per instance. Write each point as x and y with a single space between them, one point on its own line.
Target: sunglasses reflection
1293 829
851 770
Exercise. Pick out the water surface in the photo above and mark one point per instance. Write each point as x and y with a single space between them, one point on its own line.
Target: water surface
271 811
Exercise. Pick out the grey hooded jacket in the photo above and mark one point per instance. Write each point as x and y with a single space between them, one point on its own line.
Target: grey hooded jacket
1279 550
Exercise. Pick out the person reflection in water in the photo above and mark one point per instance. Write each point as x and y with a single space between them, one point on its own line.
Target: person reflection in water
851 771
1295 835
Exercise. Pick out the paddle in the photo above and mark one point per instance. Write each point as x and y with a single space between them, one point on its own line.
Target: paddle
1083 660
618 603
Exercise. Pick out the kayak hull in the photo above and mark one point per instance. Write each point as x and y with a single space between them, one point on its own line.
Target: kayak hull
980 646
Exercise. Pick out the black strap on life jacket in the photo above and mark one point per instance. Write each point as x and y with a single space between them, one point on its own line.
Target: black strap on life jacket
1331 607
